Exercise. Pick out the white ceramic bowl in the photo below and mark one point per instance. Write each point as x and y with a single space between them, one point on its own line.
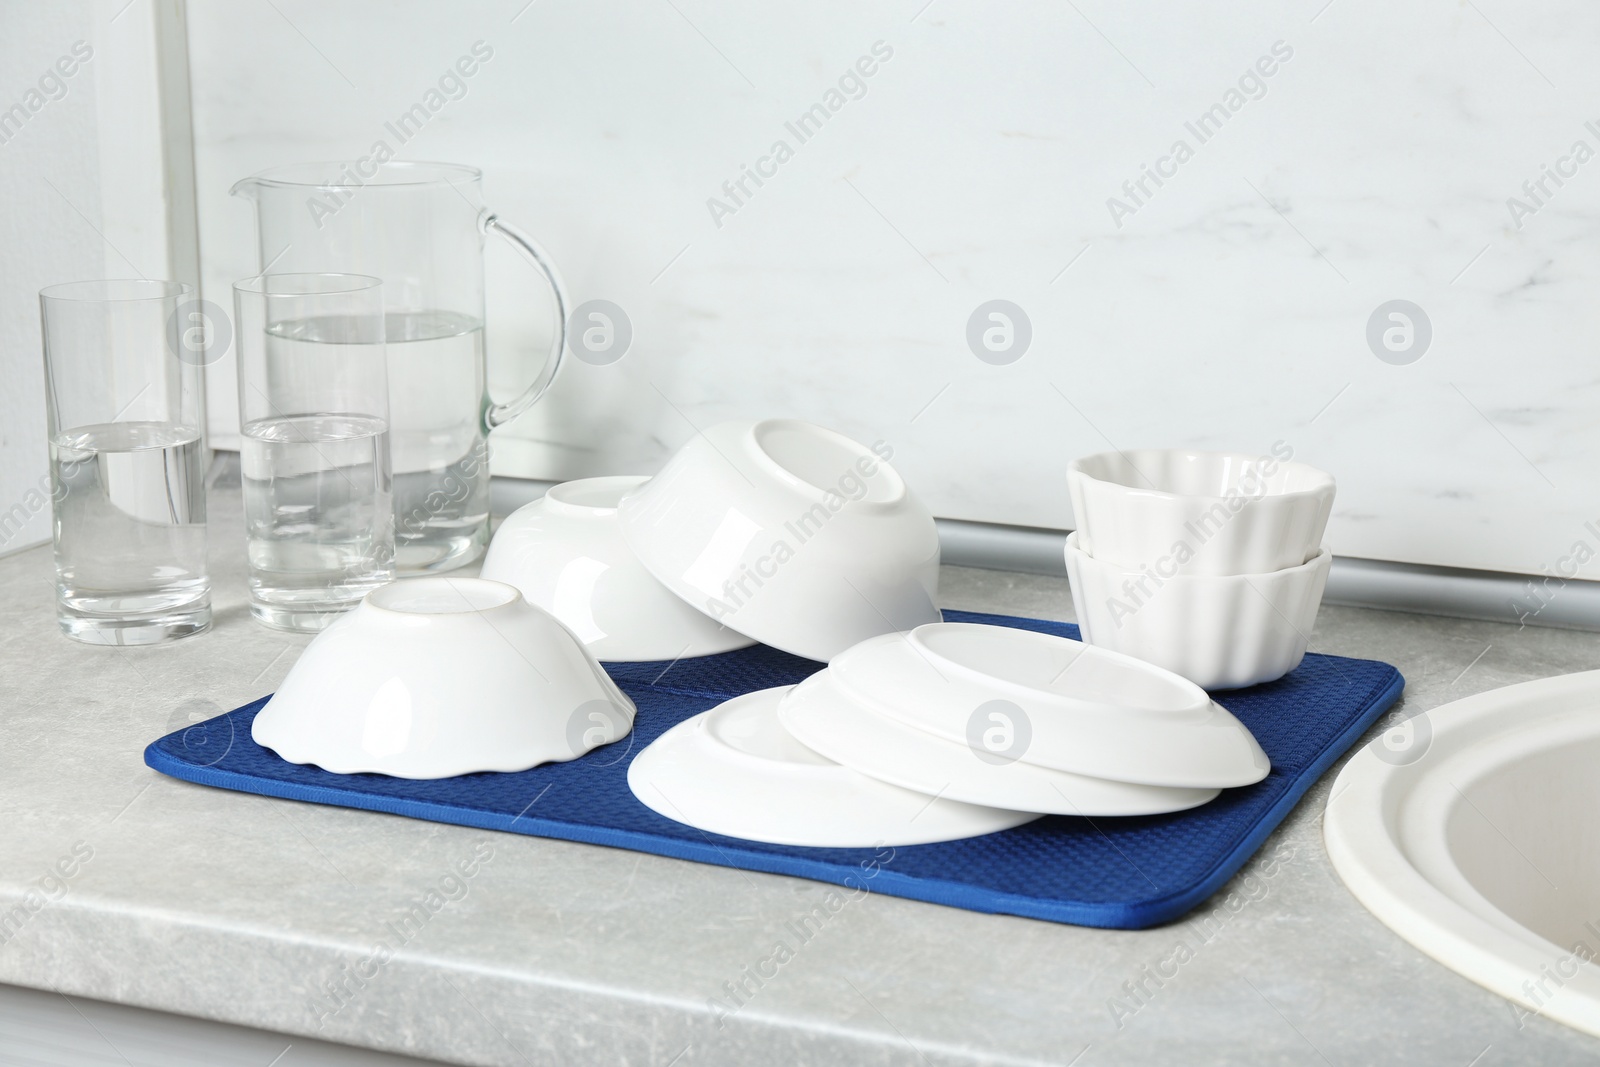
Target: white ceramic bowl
566 553
1185 512
438 676
1054 703
792 534
735 770
1219 631
835 723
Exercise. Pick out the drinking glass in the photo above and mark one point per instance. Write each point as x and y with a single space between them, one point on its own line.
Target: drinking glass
314 448
127 463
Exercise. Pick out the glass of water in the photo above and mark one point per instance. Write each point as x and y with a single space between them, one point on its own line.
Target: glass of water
124 409
314 449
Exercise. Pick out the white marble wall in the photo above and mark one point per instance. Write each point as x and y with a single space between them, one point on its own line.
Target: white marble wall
1228 308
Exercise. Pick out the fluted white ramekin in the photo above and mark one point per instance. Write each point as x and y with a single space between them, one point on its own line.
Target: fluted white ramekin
1198 513
1218 631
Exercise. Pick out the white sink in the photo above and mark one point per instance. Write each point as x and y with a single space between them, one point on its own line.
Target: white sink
1474 833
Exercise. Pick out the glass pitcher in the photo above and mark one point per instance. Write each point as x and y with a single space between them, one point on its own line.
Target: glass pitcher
420 227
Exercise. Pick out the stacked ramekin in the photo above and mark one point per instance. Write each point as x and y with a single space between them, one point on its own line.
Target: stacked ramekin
1209 564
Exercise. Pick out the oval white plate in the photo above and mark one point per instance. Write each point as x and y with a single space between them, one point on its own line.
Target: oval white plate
1075 707
841 727
735 770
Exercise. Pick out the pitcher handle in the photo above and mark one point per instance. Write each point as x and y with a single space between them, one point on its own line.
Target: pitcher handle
500 414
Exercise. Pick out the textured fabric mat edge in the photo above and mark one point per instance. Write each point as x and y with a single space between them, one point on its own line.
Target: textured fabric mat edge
1131 915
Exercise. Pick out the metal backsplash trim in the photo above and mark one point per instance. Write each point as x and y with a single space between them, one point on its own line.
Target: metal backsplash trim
1518 599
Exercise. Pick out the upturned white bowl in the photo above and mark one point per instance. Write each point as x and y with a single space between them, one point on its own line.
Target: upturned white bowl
735 770
836 723
1064 705
789 533
438 676
1200 513
566 554
1218 631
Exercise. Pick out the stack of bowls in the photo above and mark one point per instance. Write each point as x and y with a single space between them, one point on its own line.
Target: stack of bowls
950 730
1209 564
777 531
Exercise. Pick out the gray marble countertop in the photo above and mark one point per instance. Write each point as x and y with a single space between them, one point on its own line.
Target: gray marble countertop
246 909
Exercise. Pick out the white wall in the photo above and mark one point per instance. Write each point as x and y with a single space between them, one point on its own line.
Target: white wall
1229 310
83 197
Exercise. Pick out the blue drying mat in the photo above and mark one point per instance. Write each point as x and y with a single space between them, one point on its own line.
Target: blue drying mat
1123 873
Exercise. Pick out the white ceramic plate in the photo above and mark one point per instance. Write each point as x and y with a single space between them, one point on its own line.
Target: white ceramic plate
735 770
1218 631
1180 511
438 676
566 553
1053 703
790 533
838 725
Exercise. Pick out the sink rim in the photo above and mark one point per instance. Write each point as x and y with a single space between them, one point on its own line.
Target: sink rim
1384 830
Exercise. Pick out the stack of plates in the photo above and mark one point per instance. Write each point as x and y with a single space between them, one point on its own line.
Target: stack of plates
948 731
